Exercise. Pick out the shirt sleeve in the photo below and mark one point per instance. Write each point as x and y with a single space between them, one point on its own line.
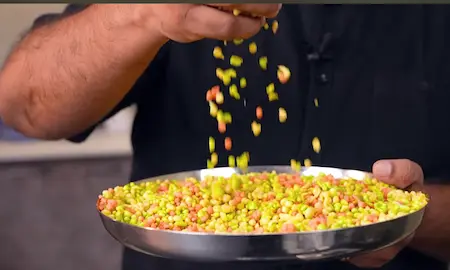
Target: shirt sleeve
147 82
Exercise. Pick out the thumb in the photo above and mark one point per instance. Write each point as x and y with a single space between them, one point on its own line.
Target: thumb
398 172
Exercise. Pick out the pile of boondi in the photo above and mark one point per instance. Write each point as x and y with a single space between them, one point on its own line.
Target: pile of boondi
257 203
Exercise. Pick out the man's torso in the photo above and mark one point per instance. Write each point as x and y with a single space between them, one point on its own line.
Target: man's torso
379 74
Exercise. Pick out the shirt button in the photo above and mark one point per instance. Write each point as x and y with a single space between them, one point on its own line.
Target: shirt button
323 78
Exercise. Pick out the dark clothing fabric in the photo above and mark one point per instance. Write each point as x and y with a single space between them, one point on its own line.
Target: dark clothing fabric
379 72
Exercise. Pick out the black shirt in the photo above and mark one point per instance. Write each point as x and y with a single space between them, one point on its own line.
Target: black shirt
379 72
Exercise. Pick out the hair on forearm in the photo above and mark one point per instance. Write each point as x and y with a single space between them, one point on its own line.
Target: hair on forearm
64 77
48 19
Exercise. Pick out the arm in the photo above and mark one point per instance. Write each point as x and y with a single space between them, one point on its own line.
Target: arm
433 236
53 17
68 74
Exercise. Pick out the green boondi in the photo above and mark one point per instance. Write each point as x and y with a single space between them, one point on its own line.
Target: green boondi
258 203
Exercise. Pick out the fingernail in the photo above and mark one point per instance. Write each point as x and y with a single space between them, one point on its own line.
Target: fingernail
382 169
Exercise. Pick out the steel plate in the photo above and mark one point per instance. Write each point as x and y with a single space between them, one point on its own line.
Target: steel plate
307 246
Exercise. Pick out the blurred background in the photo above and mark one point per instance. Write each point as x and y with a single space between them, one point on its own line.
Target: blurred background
48 189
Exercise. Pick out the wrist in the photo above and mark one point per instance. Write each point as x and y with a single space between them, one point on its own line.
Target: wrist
142 17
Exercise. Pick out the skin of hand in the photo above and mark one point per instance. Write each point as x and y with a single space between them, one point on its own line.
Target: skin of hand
191 22
79 66
404 174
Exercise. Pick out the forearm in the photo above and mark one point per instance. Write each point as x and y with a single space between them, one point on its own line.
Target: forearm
65 76
433 236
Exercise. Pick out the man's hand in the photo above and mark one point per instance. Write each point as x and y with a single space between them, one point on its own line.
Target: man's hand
99 53
192 22
404 174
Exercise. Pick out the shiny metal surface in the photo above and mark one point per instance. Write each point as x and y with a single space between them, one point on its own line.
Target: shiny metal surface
307 246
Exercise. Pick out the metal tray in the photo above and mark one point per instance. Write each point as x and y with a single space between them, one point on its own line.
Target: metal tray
306 246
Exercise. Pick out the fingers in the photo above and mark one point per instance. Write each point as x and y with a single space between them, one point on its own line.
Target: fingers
212 23
192 22
376 260
398 172
262 10
379 258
